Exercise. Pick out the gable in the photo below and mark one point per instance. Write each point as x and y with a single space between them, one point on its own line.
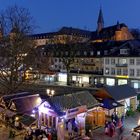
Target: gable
2 103
46 108
13 106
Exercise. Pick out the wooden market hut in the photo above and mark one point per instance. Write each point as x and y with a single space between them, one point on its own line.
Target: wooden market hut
123 94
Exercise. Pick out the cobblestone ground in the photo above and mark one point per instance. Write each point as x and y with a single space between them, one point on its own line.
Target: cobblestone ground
130 122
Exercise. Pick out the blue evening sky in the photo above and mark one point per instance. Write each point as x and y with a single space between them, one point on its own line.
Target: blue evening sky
51 15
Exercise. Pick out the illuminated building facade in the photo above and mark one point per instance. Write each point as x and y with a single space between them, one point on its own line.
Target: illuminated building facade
122 65
93 49
116 32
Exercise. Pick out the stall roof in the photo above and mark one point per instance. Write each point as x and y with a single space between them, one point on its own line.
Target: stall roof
27 120
73 100
110 103
7 98
16 95
120 92
27 103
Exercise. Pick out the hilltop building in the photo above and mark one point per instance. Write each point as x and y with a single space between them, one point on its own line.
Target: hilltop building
116 32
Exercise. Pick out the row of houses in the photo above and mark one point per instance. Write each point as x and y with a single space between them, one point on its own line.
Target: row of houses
110 63
108 55
27 109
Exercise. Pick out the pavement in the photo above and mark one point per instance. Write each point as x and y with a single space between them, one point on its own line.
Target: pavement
129 124
5 131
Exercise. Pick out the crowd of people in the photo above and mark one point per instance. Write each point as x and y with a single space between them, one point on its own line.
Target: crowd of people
72 127
116 124
37 134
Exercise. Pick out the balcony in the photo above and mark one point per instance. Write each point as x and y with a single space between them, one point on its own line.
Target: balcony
88 63
87 72
121 65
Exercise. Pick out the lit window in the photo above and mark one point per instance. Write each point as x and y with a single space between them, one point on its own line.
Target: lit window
98 52
85 53
66 53
122 61
106 70
91 53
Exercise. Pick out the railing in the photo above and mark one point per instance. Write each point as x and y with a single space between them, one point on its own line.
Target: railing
87 72
88 63
121 65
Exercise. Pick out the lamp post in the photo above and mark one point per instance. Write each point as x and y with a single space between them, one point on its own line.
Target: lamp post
49 92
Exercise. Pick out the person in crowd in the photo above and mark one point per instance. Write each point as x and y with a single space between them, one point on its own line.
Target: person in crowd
70 129
114 122
49 136
76 130
122 119
111 129
37 133
26 137
75 127
113 116
30 137
44 138
116 119
106 127
120 126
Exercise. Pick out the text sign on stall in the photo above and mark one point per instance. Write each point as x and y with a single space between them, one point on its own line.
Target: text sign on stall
71 113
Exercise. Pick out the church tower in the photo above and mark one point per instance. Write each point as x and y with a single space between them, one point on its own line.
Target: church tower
100 22
118 32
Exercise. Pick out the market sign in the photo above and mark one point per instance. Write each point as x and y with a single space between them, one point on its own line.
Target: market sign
71 113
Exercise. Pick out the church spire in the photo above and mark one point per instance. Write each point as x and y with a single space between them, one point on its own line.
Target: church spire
100 22
118 25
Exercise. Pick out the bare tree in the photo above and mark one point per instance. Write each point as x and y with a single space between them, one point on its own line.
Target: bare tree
67 53
16 48
43 62
68 59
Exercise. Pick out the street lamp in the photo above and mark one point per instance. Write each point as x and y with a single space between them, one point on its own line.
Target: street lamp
50 92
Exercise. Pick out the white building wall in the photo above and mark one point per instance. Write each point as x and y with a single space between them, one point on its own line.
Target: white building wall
41 42
128 67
